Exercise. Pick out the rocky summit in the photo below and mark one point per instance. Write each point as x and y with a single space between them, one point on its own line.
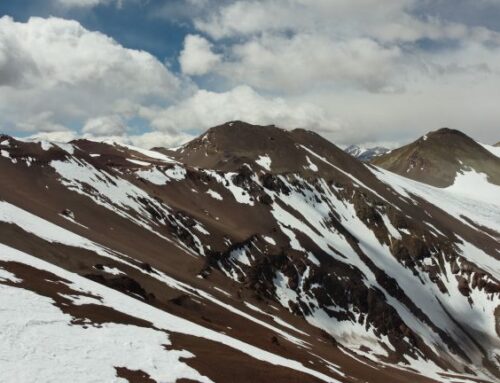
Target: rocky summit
439 156
250 254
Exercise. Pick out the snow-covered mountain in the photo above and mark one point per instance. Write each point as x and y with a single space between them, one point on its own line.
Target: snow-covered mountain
250 254
365 154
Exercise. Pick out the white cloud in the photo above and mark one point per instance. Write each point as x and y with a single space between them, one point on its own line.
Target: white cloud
206 109
79 3
87 3
357 71
105 126
197 57
306 61
386 20
158 139
57 65
42 122
295 45
146 140
385 69
56 136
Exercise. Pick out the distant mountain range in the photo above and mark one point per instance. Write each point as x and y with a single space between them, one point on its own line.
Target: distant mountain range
250 254
365 154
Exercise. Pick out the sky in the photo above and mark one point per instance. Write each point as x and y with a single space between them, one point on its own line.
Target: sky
158 72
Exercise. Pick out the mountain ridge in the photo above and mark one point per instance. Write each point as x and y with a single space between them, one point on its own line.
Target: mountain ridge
309 255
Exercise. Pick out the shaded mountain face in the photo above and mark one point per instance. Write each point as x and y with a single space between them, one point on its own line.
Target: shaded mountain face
365 154
249 254
438 157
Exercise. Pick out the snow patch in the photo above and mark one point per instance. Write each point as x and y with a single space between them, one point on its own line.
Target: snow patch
137 162
269 240
214 194
311 165
265 162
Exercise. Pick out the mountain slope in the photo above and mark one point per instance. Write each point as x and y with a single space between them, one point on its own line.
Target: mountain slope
292 261
438 157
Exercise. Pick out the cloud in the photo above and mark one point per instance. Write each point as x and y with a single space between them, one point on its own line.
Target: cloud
294 45
158 139
304 61
87 3
146 140
206 109
42 122
105 126
357 71
383 20
56 65
382 69
56 136
197 57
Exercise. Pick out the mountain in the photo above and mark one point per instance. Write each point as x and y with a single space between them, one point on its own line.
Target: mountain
249 254
237 144
365 154
439 157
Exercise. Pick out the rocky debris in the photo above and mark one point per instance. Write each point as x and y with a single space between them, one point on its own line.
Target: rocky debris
122 283
68 213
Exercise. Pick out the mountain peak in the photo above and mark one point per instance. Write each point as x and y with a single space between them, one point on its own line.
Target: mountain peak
447 131
437 157
230 146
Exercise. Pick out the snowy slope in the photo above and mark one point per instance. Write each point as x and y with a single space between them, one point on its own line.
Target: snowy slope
291 259
34 330
492 149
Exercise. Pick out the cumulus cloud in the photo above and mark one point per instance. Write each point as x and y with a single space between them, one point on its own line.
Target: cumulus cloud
158 139
197 57
304 61
384 69
146 140
358 71
387 20
292 45
42 122
56 136
57 65
206 109
105 126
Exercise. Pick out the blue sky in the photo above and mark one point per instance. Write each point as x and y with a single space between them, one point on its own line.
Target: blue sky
160 71
137 25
